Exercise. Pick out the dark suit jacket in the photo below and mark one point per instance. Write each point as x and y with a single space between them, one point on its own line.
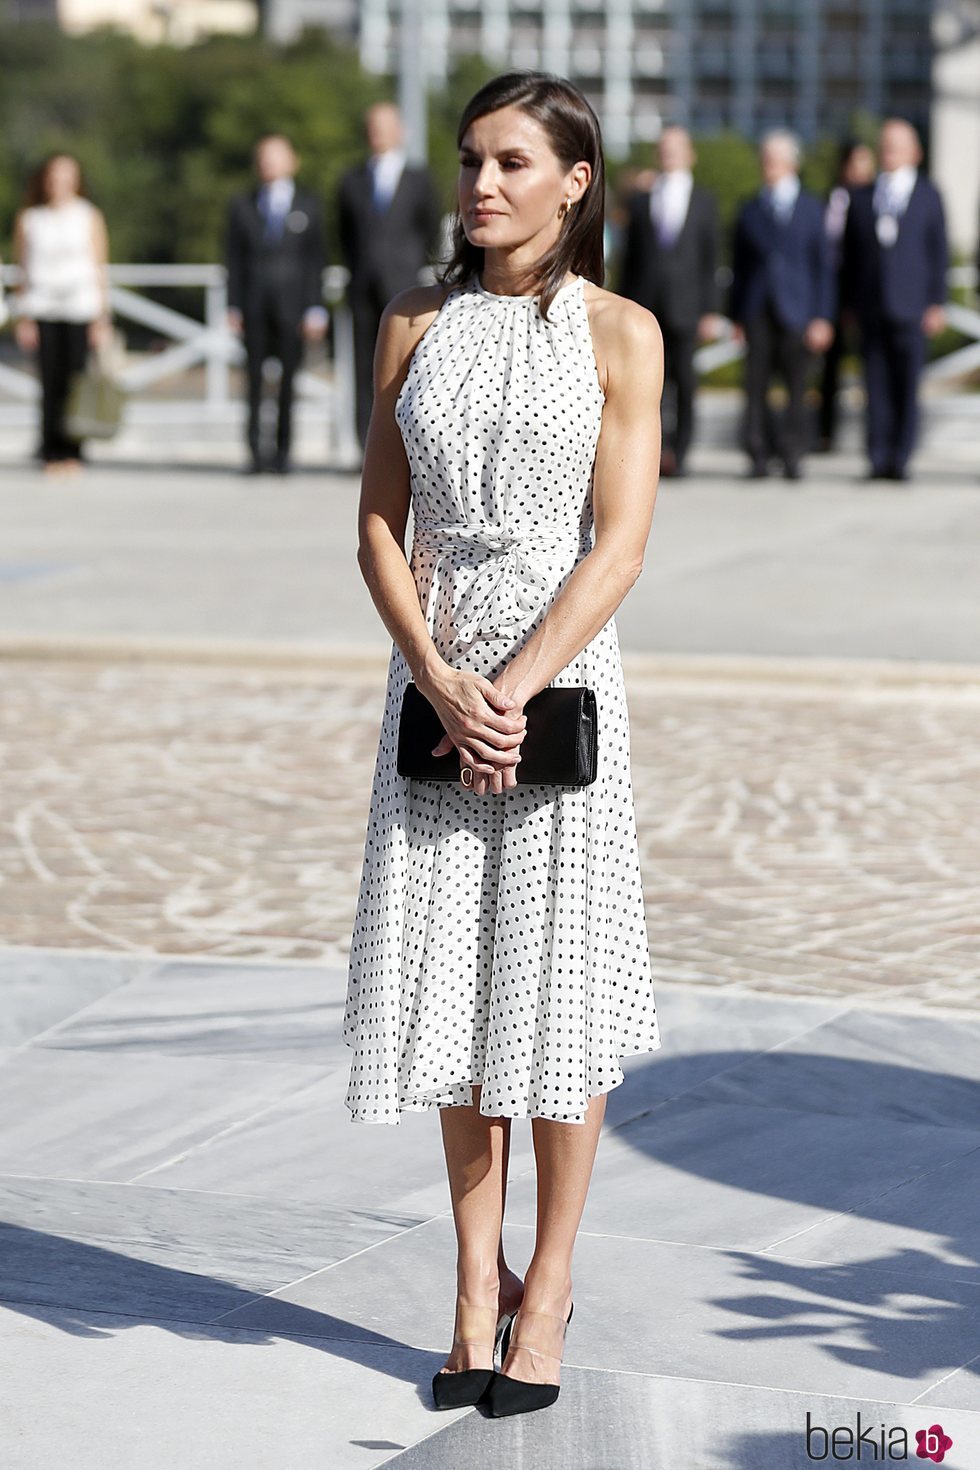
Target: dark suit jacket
385 252
287 272
789 265
676 284
898 282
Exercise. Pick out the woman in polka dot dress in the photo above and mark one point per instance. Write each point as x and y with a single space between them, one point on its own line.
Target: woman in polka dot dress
499 966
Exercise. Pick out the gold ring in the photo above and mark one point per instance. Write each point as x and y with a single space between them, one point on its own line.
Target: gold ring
464 772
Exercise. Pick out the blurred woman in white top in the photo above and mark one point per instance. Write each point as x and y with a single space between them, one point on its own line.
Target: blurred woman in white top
61 246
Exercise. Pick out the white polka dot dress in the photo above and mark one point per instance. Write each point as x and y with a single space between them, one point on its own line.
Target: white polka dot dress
499 940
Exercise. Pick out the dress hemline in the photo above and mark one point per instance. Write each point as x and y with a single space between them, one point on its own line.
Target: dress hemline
421 1103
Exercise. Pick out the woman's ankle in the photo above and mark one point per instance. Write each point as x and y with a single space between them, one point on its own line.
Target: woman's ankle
547 1282
476 1285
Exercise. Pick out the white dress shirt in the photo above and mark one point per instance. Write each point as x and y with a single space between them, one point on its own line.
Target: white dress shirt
783 196
670 199
892 192
386 171
278 196
893 189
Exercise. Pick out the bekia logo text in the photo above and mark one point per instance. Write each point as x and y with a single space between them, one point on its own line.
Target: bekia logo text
842 1442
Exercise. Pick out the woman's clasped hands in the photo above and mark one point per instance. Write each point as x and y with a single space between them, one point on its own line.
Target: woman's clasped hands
484 724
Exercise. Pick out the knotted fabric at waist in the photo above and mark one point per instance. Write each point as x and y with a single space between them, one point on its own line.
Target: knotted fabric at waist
512 581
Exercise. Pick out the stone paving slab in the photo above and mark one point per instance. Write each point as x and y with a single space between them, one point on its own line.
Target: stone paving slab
785 1173
796 838
256 1403
645 1305
743 1258
128 1117
159 1393
155 1252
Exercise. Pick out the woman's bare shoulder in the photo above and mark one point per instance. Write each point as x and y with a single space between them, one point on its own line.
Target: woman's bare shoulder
625 335
407 314
404 322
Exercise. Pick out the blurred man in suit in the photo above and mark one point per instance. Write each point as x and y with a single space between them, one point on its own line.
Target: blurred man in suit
783 301
276 258
389 221
670 255
894 280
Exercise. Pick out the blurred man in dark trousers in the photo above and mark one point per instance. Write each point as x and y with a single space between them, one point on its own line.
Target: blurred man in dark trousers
783 301
670 256
275 255
894 281
389 222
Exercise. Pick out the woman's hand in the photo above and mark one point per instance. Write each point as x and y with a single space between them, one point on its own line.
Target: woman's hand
27 334
99 333
485 725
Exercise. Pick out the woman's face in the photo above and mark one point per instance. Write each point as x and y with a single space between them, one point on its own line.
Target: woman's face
61 179
512 184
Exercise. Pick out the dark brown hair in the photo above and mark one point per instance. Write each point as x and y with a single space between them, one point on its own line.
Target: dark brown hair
37 185
574 133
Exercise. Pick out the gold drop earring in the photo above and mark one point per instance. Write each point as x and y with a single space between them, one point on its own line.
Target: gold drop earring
566 206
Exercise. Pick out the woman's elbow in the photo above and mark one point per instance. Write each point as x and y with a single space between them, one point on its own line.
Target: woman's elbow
632 570
618 565
627 570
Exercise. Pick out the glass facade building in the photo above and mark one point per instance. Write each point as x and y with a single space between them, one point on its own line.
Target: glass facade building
712 64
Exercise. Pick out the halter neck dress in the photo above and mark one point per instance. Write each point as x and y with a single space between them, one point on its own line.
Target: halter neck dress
499 939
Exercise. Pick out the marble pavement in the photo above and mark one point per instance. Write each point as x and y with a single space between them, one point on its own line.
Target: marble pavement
205 1266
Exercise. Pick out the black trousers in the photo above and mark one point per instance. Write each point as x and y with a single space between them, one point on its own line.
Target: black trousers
680 377
830 384
894 353
62 352
366 306
772 348
271 331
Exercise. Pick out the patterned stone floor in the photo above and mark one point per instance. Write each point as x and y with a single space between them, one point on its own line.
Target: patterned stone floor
818 837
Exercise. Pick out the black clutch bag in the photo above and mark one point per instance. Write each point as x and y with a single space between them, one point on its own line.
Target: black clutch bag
560 744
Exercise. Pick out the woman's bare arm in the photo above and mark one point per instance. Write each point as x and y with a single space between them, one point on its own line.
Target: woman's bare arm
100 251
99 328
471 708
25 329
627 471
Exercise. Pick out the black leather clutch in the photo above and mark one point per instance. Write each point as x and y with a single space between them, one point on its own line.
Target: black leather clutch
560 744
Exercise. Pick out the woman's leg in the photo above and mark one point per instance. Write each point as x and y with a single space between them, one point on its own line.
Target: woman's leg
477 1151
564 1154
51 373
76 355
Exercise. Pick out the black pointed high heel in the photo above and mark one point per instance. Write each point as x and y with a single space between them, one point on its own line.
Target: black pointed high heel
466 1387
508 1395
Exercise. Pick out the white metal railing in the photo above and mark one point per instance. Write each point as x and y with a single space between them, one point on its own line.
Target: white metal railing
194 342
954 364
208 341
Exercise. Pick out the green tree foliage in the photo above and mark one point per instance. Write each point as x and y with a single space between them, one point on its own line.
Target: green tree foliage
165 135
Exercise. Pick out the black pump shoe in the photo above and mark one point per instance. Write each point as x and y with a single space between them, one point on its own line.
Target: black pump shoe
515 1395
462 1389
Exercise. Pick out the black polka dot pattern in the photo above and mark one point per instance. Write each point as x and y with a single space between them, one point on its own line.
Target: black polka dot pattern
499 940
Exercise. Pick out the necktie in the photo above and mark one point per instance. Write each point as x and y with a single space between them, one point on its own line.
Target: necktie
382 192
274 215
779 205
887 211
666 223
